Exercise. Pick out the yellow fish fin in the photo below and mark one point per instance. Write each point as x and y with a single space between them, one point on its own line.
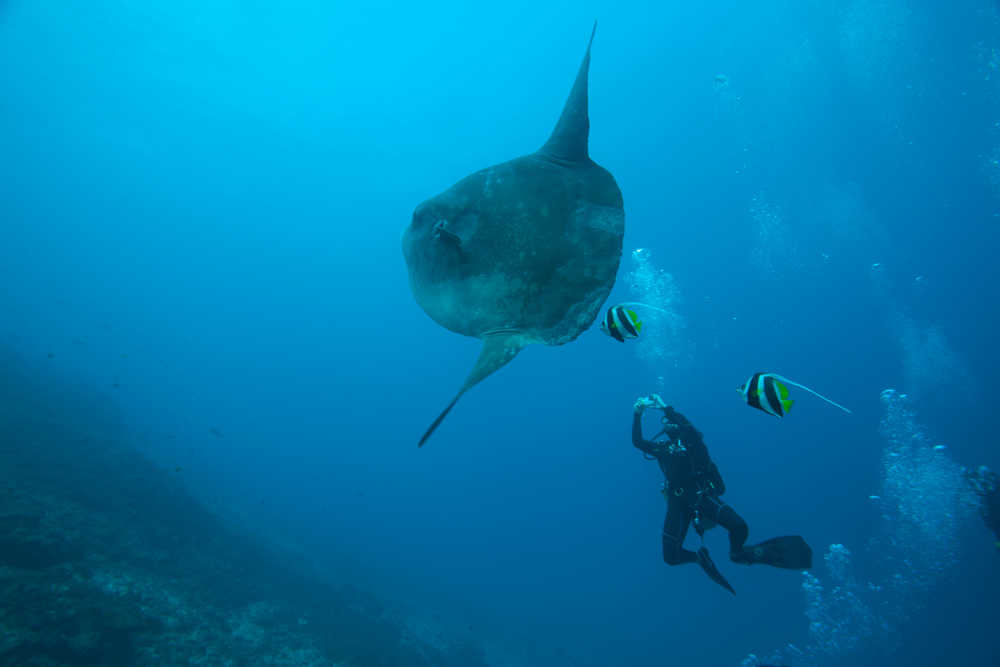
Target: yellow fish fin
636 322
786 404
782 390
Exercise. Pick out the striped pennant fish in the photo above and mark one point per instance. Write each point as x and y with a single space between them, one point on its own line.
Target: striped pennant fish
621 323
767 392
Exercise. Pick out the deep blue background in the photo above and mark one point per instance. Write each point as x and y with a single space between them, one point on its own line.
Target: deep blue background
201 206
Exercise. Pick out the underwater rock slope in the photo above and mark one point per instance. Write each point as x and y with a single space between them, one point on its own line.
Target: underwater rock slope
106 560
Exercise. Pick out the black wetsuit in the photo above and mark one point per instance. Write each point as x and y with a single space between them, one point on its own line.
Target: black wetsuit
987 486
693 487
991 511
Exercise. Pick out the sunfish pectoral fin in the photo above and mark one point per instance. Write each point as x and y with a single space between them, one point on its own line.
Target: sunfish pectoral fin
498 349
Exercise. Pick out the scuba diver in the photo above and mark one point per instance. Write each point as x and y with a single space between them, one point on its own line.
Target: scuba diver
986 484
692 488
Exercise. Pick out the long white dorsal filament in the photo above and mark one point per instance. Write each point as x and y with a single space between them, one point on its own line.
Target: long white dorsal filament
814 393
635 304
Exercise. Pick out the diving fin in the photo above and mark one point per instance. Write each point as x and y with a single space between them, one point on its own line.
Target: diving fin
790 552
713 572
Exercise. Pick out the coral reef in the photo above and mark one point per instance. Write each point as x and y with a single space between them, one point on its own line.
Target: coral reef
107 560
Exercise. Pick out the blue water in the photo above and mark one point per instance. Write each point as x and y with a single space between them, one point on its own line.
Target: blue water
201 206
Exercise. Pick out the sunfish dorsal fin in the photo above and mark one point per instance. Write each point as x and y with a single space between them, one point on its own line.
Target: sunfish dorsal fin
498 349
568 141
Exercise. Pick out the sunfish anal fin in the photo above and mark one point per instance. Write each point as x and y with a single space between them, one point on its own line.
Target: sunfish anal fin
498 349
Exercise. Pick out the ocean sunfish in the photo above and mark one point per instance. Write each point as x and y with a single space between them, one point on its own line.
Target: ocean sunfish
521 252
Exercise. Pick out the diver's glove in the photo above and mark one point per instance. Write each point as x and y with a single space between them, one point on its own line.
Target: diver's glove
651 401
641 404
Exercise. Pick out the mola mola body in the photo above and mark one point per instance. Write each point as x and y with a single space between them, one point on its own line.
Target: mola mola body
521 252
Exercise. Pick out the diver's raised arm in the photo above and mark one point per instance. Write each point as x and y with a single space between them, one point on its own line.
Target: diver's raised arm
637 440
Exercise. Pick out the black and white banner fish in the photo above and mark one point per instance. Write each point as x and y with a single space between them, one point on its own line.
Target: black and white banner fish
620 322
767 392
